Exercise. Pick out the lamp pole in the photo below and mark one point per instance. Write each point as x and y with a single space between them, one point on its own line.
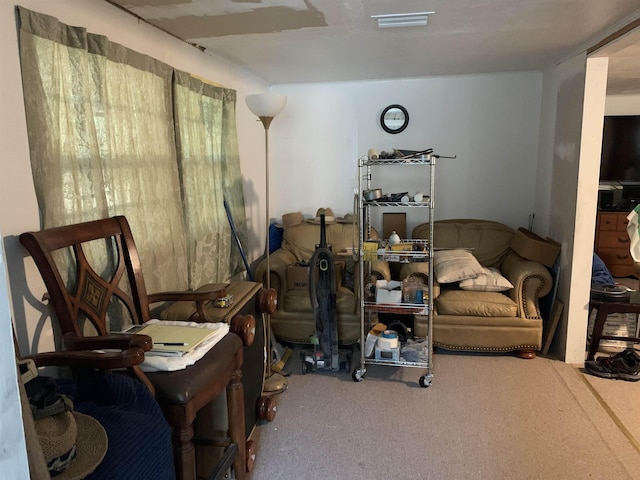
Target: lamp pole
266 106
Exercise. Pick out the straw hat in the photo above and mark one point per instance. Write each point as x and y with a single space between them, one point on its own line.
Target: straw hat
291 219
73 444
348 218
328 216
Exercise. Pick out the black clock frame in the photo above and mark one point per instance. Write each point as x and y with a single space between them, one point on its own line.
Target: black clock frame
401 127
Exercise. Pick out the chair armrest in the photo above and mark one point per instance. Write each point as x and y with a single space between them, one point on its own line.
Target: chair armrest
530 281
245 327
90 359
267 300
117 341
278 263
200 298
186 296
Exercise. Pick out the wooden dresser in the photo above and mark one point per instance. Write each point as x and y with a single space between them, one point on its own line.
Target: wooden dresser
612 243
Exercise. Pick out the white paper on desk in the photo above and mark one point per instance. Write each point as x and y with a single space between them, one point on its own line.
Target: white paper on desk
160 363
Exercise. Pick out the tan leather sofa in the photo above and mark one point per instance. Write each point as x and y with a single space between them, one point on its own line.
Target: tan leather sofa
294 319
483 321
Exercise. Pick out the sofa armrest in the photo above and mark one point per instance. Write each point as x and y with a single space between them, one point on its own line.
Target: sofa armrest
530 280
420 270
278 263
381 269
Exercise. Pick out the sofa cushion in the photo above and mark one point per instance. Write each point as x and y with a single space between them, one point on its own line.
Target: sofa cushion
455 265
489 281
475 304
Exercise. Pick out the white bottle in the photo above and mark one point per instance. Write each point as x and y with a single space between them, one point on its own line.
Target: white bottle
394 238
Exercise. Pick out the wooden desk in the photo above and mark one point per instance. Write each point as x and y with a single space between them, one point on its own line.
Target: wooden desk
604 308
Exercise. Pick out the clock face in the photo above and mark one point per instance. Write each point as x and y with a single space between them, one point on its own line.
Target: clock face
394 119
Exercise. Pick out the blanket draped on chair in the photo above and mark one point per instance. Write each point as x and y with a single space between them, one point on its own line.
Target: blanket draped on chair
139 436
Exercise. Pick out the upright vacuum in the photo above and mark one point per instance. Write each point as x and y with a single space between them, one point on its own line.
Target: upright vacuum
322 291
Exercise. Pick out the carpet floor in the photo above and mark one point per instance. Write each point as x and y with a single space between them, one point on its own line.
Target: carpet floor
483 417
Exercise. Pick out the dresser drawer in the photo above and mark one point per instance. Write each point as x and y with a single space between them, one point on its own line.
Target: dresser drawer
608 221
622 223
615 256
613 243
613 239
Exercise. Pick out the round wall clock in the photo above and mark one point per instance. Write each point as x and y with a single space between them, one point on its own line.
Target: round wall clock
394 119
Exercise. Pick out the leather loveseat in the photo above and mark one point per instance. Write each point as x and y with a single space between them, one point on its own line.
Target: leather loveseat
486 321
294 319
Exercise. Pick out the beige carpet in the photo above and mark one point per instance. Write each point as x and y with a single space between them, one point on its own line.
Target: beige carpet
483 417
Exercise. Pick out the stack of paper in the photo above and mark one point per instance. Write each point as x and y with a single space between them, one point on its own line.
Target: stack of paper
178 344
174 339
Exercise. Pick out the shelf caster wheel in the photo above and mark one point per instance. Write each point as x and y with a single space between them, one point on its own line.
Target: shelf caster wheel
358 375
425 381
250 448
267 407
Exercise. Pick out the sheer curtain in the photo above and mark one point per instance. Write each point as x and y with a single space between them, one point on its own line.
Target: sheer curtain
210 173
102 139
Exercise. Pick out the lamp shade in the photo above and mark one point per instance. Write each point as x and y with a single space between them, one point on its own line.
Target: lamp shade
266 104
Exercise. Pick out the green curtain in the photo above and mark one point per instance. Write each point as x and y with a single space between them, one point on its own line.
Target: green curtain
210 172
101 132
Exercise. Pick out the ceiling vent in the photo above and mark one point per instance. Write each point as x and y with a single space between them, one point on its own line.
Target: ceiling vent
402 19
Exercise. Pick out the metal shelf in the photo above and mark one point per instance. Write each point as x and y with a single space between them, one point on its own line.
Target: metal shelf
409 250
377 203
421 160
397 308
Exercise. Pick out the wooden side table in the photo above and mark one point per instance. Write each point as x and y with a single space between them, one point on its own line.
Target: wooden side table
604 308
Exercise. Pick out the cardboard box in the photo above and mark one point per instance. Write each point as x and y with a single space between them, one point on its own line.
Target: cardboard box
394 222
372 338
386 295
298 275
537 249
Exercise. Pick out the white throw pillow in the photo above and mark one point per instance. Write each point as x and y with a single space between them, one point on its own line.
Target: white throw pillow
455 265
490 281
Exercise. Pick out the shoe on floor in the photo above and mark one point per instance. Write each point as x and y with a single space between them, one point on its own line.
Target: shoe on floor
622 366
630 353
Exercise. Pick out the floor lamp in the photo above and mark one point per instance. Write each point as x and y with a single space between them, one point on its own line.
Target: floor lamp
266 106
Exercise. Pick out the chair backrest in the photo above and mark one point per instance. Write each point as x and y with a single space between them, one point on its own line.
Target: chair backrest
69 259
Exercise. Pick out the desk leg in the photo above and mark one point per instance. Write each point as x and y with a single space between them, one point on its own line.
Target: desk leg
601 317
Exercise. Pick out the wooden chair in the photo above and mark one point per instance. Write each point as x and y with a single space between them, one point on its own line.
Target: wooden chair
89 302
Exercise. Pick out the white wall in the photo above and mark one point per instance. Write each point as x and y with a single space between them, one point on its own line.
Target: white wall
491 122
622 105
586 206
564 89
13 454
574 94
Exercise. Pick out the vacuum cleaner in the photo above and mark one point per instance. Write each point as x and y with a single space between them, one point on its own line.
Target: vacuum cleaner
322 290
